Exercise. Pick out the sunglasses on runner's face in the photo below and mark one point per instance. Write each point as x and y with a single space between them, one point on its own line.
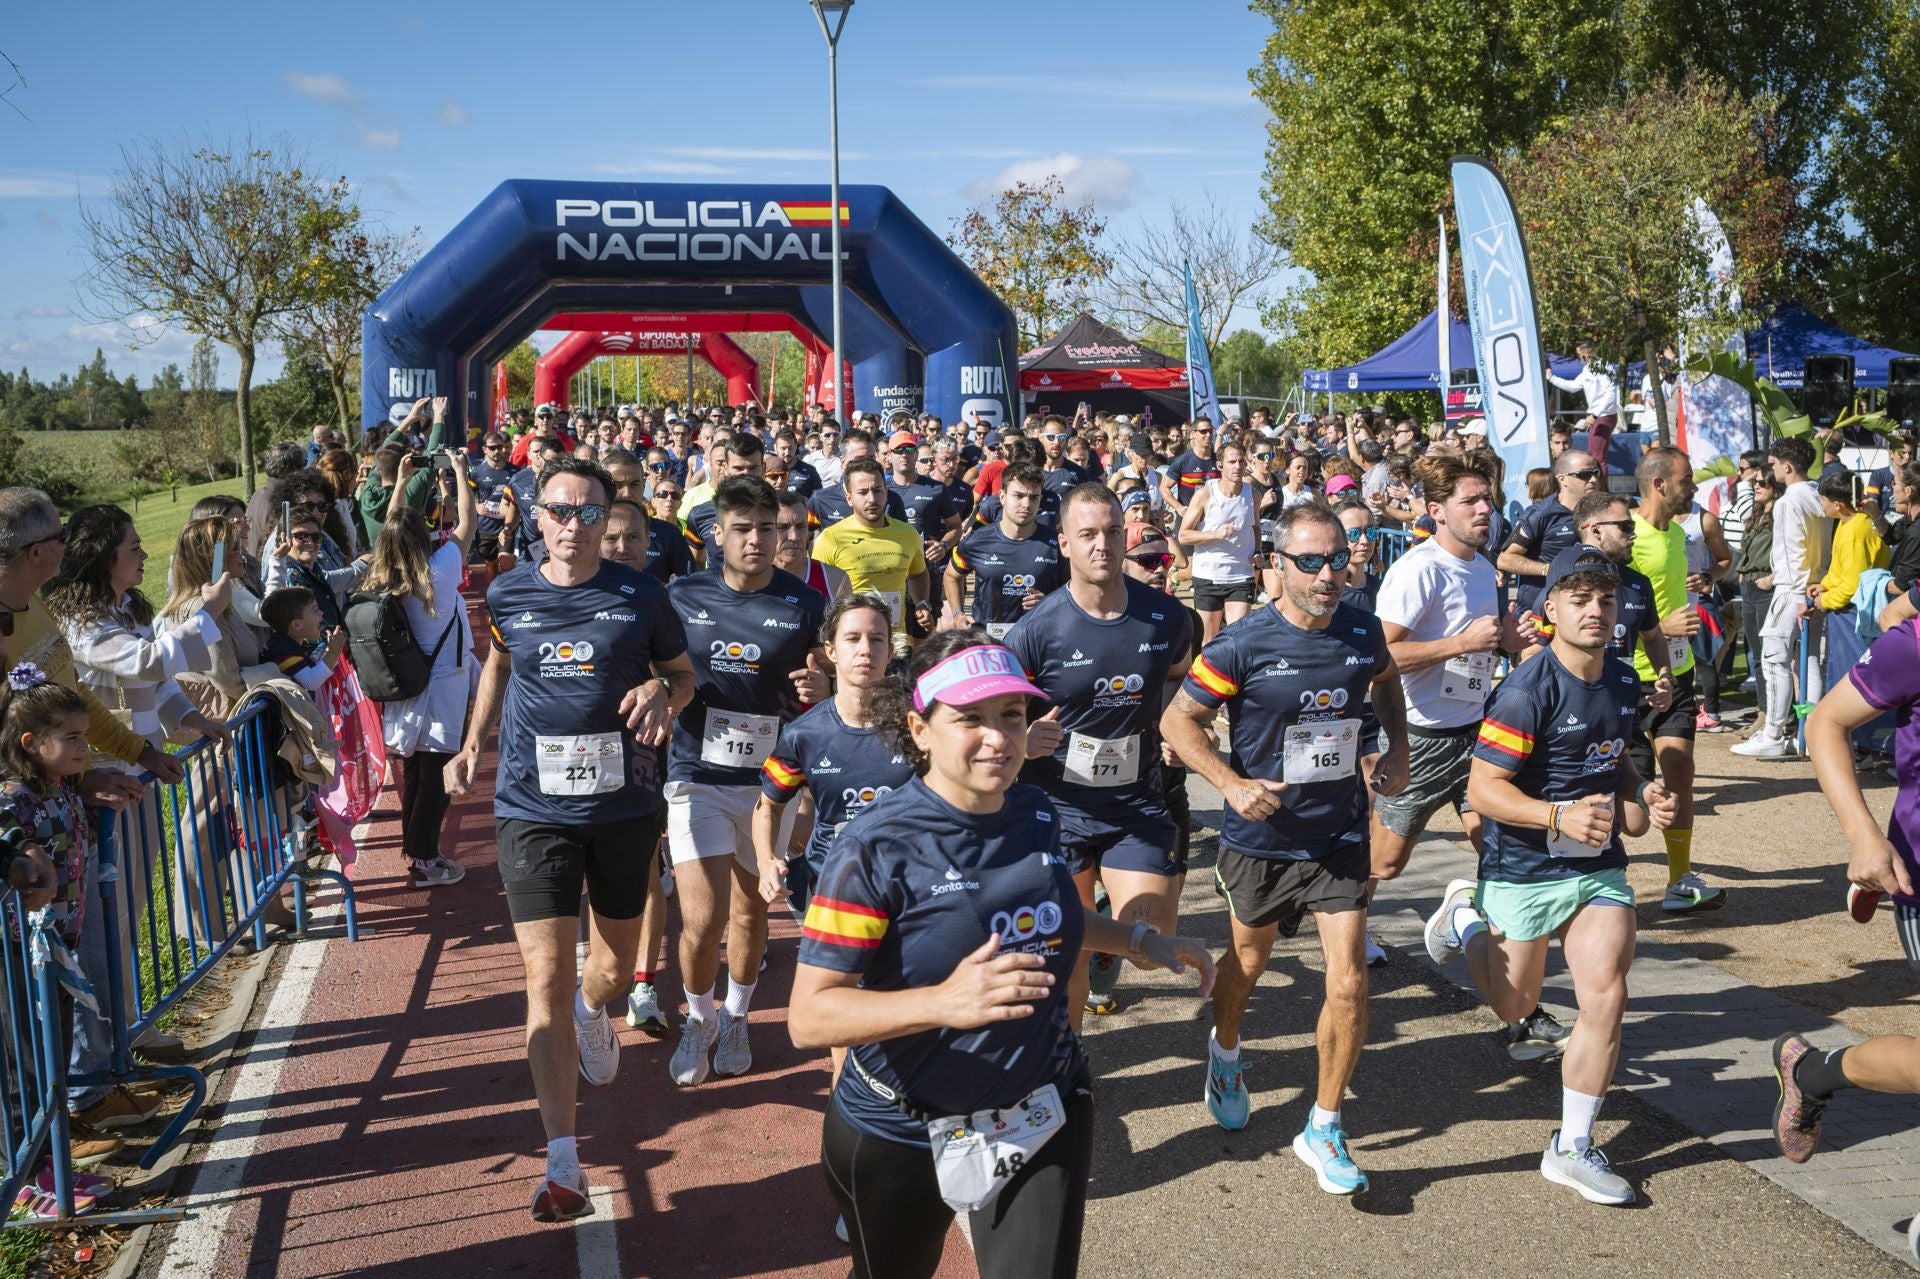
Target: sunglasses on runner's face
1313 563
1355 534
1589 474
588 514
1158 559
659 467
1622 525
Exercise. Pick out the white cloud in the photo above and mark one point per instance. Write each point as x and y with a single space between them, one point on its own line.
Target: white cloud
46 220
393 184
43 313
322 86
376 139
1101 178
48 186
452 114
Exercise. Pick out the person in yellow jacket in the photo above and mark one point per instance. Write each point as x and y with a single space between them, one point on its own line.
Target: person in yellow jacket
1857 544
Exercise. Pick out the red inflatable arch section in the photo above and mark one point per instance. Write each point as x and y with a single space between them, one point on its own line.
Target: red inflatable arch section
818 387
573 352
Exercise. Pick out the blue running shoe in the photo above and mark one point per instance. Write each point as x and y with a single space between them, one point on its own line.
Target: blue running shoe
1325 1151
1226 1090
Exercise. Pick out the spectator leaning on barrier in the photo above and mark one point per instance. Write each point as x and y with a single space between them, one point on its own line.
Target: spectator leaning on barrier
281 461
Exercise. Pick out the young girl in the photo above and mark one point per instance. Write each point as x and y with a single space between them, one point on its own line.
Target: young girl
43 844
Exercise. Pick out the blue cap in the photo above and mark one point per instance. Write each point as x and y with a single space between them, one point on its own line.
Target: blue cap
1577 559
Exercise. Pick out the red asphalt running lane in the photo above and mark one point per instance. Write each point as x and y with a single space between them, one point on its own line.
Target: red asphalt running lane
403 1140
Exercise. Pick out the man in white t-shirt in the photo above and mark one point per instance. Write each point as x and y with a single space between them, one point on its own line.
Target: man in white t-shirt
1802 541
1440 609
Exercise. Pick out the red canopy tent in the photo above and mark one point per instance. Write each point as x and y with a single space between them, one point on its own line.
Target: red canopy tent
1093 363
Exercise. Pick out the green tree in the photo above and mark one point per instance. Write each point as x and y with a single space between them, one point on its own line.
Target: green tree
327 325
522 362
1042 255
1869 197
1605 200
1369 99
203 420
1247 363
222 240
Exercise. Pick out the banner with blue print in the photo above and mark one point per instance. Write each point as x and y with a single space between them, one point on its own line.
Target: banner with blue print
1201 401
1506 332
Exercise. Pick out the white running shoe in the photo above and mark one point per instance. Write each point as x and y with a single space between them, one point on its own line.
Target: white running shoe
439 870
1690 892
1585 1170
643 1009
1376 953
1765 744
562 1194
1443 944
599 1049
689 1064
731 1053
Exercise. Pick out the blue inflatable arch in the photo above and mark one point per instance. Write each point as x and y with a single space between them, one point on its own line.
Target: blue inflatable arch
533 249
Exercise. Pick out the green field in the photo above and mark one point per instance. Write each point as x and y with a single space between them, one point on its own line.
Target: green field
159 516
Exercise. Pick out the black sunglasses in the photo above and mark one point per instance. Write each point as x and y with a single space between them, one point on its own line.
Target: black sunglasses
1314 562
666 494
1586 473
1158 559
589 513
1619 524
660 466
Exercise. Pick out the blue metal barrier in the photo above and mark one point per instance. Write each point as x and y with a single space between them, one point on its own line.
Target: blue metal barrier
33 1111
1389 544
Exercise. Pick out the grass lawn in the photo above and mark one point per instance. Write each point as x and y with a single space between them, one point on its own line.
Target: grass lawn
159 517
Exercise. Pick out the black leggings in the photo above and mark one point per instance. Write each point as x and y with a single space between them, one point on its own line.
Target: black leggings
423 803
898 1222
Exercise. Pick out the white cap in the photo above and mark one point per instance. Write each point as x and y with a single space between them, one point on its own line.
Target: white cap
1122 419
625 410
1474 426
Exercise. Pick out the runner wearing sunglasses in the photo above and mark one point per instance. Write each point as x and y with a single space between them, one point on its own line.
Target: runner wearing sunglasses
589 663
1547 527
1299 676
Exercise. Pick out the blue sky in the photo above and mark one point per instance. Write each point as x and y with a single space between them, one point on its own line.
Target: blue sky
424 109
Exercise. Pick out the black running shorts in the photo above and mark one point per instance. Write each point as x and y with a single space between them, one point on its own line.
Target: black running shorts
543 866
1262 891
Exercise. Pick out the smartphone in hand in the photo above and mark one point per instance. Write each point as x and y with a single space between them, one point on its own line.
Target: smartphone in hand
219 559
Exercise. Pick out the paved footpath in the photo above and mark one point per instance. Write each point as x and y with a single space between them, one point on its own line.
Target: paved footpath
381 1124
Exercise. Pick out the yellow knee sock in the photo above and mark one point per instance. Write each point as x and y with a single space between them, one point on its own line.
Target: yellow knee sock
1679 852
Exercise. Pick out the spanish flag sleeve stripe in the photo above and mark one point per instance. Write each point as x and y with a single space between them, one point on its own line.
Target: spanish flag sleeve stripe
693 538
841 923
291 663
1506 740
787 779
1209 678
959 558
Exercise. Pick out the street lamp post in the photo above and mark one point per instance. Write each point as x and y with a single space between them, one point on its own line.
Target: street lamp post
838 10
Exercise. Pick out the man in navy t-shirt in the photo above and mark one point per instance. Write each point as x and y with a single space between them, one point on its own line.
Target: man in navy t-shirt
1547 527
591 664
490 477
754 635
1015 564
1299 676
1553 781
1107 651
1193 468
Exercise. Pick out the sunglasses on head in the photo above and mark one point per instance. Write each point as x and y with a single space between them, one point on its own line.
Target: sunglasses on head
588 513
1314 562
1152 559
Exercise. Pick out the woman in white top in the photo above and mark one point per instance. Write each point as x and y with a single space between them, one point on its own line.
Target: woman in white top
424 732
1219 525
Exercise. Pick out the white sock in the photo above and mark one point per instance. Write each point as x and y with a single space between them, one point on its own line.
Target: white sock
700 1007
583 1012
1577 1113
1465 919
1324 1118
560 1151
739 998
1224 1054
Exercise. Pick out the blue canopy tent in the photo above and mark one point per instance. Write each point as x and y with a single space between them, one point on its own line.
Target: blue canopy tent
1411 362
1779 348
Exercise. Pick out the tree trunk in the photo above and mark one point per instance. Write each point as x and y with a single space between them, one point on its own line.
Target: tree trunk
337 377
242 407
1659 395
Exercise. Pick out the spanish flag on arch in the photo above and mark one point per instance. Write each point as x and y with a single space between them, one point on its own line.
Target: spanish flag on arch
813 212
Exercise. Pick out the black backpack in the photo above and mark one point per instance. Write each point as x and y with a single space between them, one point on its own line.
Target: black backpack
387 657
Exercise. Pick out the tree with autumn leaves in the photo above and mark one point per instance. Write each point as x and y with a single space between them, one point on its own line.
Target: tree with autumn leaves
1039 252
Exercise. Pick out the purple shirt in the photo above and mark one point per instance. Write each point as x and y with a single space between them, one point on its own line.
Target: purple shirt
1888 676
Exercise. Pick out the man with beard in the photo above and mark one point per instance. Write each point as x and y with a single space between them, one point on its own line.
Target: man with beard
1299 676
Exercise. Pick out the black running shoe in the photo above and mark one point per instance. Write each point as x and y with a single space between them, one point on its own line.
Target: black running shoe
1536 1037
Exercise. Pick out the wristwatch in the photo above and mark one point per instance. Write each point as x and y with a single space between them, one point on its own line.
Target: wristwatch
1141 930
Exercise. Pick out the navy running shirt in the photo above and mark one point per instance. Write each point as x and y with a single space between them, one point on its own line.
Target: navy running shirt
911 888
490 489
845 769
1004 569
526 534
926 505
1543 531
703 524
667 553
1066 477
1109 679
1300 712
1562 737
1633 612
1047 516
1189 471
566 756
744 645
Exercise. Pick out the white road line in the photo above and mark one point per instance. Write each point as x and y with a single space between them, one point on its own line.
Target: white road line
195 1246
594 1236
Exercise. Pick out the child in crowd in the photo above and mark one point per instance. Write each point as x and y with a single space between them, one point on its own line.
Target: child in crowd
43 847
292 613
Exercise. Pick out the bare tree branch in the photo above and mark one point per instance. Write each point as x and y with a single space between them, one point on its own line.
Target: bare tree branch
1147 286
19 82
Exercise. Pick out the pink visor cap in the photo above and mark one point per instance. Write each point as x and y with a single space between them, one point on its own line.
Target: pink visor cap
972 675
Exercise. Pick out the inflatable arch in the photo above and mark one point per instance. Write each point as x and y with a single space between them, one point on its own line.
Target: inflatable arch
916 320
574 351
